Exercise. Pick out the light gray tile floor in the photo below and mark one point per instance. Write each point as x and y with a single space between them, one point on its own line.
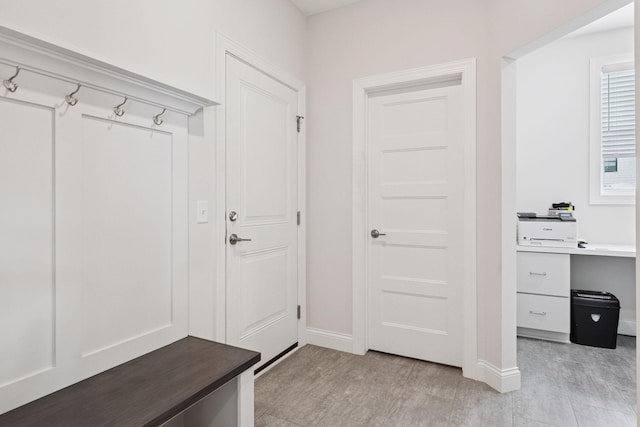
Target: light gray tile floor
562 385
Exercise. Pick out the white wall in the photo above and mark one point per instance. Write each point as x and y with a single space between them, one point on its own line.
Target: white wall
553 85
377 36
609 274
371 37
637 66
171 41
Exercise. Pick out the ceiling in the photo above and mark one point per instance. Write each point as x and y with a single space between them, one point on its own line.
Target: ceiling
311 7
620 18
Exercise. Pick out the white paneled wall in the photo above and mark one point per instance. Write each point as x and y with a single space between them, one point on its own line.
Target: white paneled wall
27 327
127 237
93 233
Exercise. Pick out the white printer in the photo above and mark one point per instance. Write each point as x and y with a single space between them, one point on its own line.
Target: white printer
551 231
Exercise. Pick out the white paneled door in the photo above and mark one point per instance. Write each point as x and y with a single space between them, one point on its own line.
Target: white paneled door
261 209
415 223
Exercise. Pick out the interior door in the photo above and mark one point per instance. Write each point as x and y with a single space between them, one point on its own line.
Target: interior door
261 210
415 218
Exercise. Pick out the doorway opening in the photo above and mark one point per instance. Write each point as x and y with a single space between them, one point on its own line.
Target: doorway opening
368 243
569 137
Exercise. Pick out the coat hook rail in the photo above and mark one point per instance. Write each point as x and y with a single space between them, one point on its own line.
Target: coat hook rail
12 87
157 120
118 110
71 99
9 84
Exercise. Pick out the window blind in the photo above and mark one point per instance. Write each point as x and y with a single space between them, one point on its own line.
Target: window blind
618 111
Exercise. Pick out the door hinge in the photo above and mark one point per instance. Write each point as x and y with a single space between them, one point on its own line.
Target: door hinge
299 312
299 122
298 216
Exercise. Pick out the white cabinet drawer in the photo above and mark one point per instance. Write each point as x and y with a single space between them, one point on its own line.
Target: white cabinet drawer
544 312
544 274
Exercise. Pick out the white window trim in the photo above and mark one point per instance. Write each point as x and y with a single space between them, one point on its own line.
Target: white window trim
596 197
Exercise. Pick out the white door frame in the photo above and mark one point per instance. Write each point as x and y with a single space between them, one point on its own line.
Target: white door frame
466 71
226 46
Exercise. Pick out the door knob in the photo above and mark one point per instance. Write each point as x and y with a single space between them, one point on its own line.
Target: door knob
375 233
233 239
233 215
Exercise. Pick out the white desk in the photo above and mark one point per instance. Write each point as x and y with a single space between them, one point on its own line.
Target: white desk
544 285
597 249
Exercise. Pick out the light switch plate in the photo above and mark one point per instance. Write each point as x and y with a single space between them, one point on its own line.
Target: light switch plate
203 212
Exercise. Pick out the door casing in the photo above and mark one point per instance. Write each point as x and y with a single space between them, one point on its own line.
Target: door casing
224 47
465 70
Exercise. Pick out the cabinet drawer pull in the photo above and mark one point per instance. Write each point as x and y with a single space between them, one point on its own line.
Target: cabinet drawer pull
538 313
532 273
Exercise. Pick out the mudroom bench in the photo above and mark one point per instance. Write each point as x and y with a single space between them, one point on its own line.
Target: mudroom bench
192 382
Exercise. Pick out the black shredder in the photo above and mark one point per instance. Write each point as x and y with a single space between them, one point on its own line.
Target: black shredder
594 318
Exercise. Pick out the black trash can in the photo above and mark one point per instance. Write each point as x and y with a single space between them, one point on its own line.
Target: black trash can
594 318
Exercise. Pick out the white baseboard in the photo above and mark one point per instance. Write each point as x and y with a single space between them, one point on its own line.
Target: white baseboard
503 380
328 339
627 327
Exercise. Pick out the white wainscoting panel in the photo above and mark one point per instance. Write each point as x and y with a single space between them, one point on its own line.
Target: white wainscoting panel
94 265
126 232
27 316
94 252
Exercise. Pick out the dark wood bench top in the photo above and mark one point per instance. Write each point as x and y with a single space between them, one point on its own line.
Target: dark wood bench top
146 391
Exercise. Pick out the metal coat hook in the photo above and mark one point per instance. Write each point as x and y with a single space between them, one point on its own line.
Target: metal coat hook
157 120
71 100
118 110
9 84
